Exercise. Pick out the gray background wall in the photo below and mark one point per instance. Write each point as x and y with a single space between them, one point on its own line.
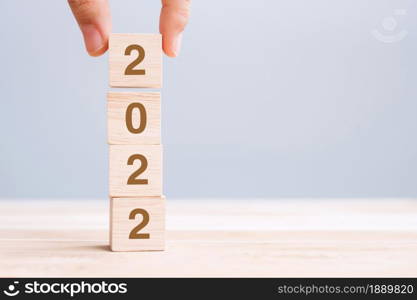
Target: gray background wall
269 98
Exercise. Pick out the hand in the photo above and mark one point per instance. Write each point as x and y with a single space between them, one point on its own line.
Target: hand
93 17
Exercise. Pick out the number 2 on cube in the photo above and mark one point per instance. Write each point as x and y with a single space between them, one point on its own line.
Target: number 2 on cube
130 69
134 234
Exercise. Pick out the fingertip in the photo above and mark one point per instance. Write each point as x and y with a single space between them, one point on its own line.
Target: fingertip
96 42
169 52
172 44
93 17
99 52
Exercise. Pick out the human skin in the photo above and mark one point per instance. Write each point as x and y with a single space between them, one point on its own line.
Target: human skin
94 19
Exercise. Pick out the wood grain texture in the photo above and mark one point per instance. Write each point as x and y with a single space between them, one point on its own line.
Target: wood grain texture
122 224
152 62
216 237
117 106
120 171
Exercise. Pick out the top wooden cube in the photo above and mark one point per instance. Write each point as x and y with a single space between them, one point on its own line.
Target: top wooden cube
135 60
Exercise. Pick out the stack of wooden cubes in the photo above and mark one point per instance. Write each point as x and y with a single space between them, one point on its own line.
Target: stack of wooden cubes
137 209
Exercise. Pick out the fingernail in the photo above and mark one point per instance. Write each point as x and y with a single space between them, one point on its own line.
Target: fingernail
177 44
94 42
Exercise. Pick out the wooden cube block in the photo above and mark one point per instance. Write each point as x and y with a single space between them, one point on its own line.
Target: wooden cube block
137 224
134 118
135 170
135 60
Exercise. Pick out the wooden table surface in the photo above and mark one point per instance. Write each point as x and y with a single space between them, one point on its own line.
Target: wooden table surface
226 238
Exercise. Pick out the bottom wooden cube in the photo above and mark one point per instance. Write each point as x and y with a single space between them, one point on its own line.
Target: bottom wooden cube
137 224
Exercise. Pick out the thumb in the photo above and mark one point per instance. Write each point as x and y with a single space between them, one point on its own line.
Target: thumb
174 18
93 17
